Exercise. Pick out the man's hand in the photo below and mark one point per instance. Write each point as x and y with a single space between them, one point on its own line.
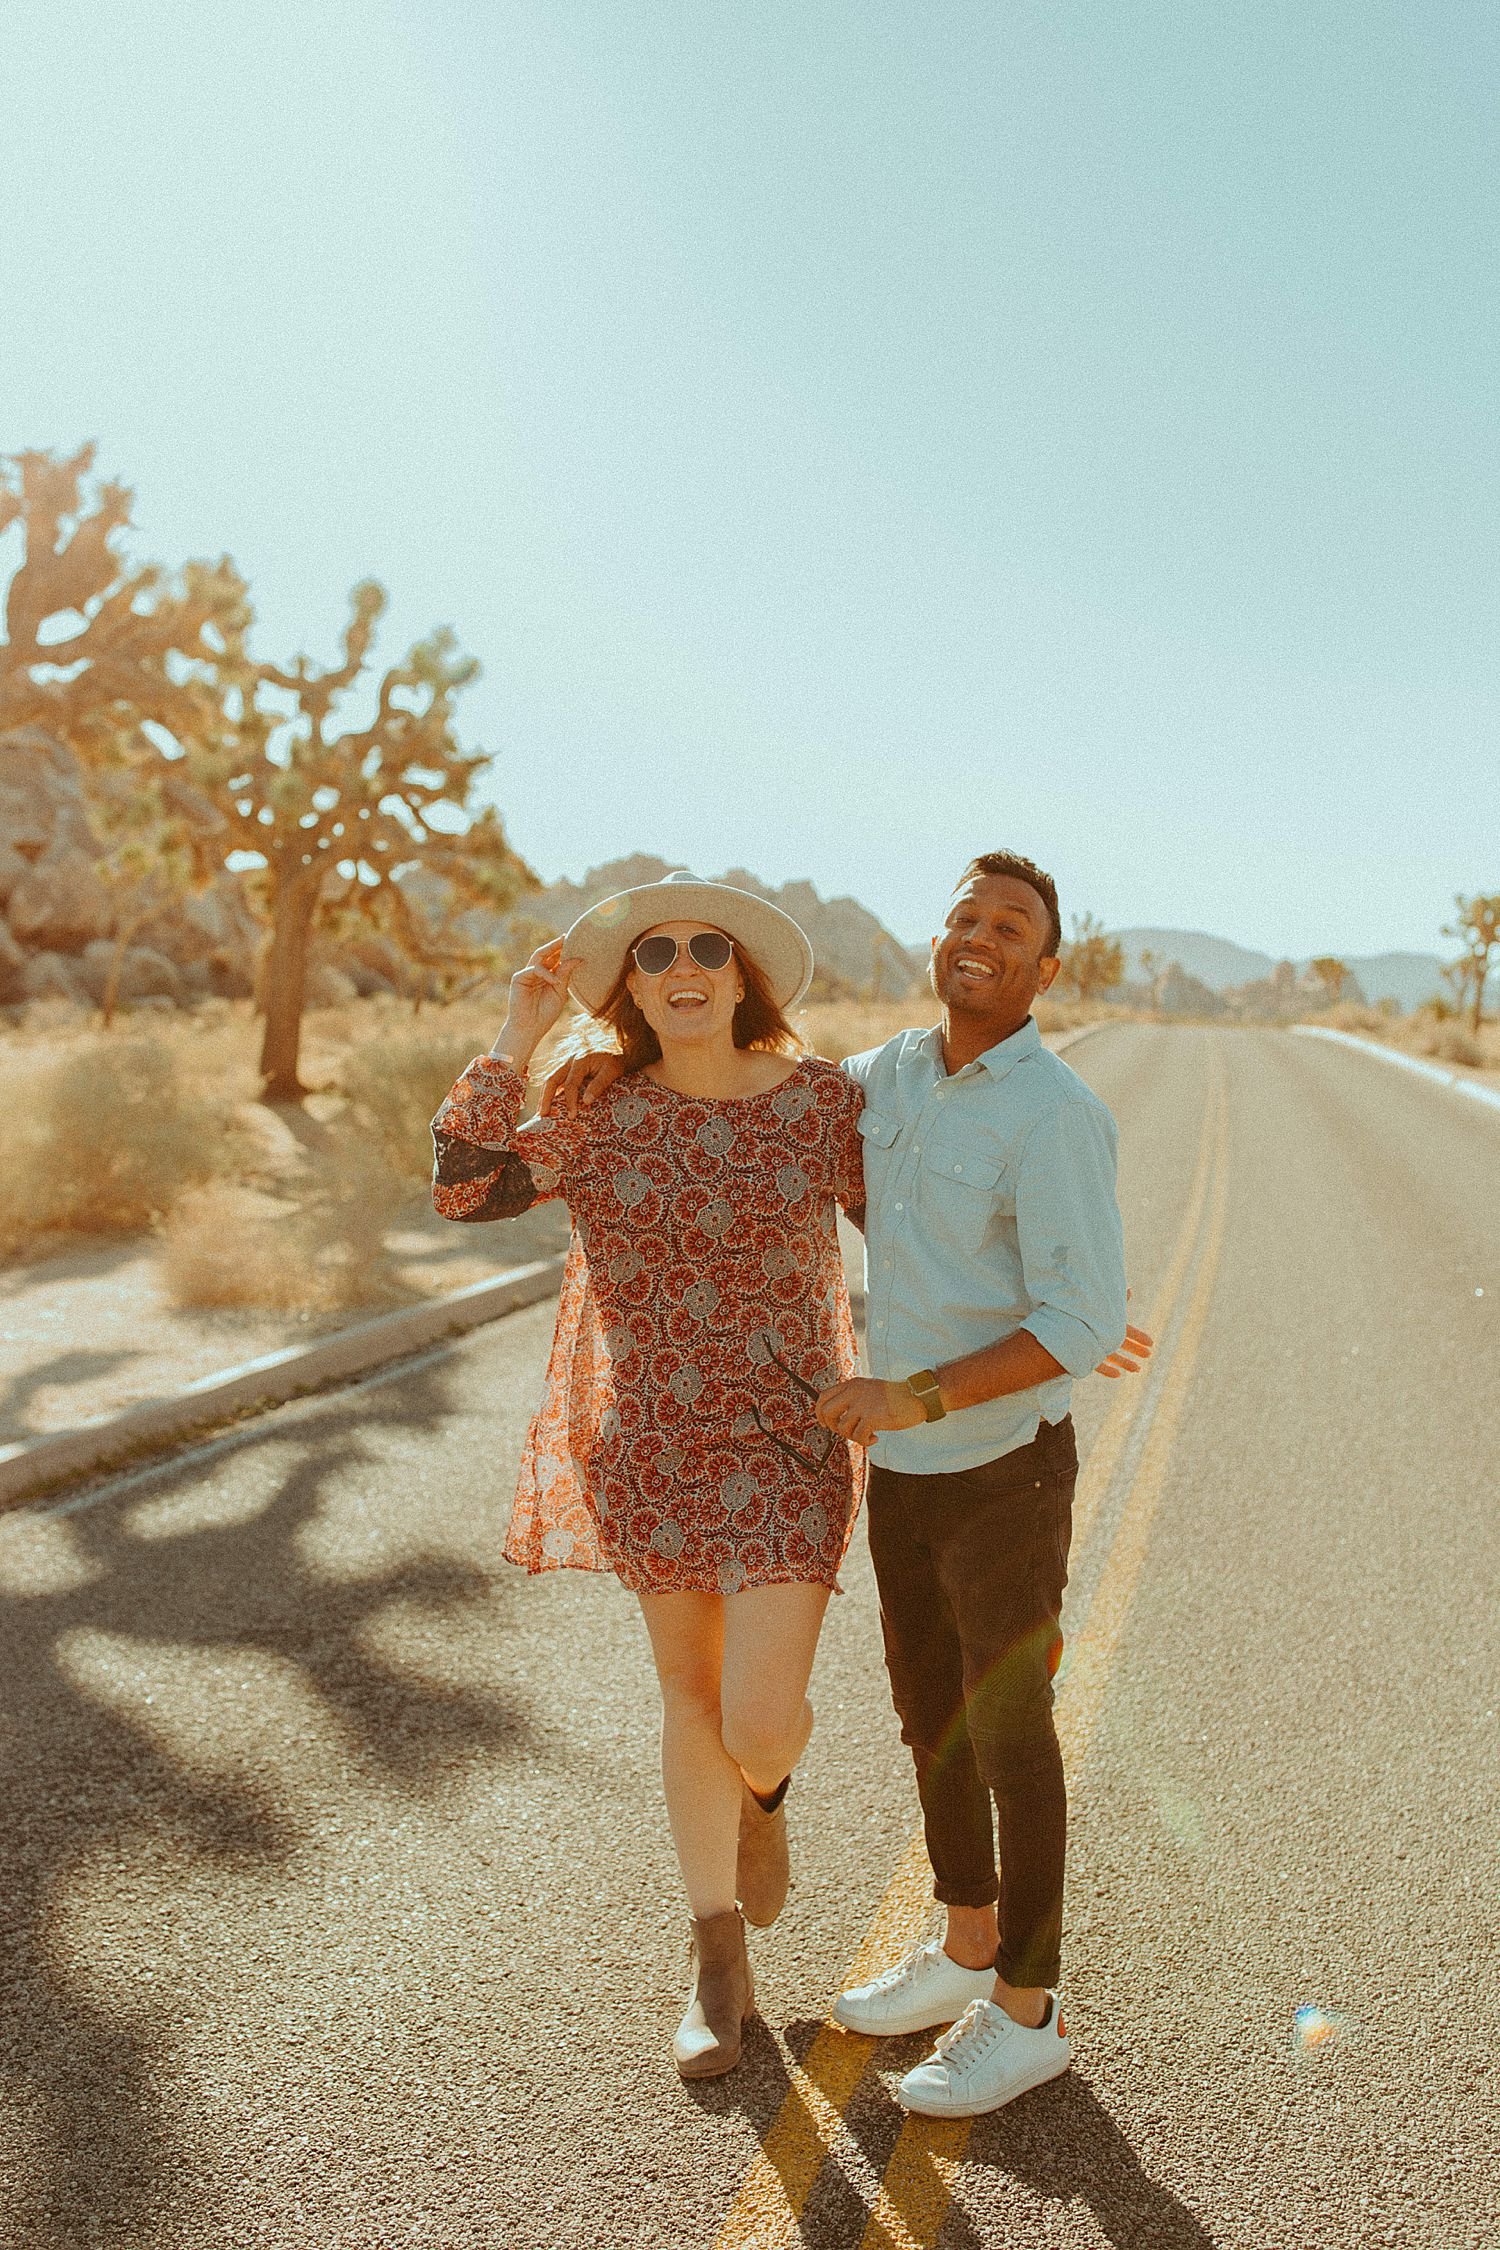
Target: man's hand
578 1084
858 1410
1136 1349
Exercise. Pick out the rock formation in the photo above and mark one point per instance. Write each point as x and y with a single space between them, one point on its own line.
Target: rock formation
58 919
856 955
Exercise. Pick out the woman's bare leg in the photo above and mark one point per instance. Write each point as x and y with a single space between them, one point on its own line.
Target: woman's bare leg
734 1671
701 1780
770 1639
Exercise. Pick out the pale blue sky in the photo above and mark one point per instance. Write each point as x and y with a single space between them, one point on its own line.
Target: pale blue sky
850 435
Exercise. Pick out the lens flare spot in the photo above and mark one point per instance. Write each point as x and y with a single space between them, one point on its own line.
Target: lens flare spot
1182 1819
1316 2028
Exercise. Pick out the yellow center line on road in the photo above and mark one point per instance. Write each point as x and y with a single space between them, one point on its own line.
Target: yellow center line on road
908 2207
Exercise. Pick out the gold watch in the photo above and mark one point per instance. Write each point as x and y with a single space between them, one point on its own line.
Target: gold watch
924 1389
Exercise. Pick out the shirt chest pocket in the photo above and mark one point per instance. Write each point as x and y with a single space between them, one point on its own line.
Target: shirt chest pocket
878 1135
963 1190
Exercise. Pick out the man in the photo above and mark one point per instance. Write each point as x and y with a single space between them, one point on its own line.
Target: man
995 1275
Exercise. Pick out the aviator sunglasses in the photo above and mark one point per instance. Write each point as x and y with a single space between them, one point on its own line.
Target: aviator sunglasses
763 1352
655 955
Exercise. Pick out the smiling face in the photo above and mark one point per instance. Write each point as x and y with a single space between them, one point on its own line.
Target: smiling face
994 956
686 1003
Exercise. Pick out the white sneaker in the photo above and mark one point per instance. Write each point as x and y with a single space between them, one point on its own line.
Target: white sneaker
984 2062
924 1990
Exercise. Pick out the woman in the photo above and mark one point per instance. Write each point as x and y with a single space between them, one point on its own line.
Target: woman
703 1309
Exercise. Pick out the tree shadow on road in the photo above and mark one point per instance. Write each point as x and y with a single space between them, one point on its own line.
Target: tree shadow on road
64 1368
832 2206
67 1258
88 1782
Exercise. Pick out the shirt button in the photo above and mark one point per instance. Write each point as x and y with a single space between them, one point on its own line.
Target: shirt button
957 1168
898 1206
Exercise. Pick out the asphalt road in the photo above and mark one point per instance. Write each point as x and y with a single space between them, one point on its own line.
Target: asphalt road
337 1906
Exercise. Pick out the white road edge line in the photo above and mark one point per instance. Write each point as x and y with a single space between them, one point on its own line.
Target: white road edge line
1450 1078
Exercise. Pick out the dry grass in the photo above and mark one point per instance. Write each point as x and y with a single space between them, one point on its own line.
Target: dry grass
103 1140
323 1247
107 1133
222 1250
394 1084
1454 1042
323 1252
837 1028
1442 1038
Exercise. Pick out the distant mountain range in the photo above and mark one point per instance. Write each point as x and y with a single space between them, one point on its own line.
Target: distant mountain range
1406 978
857 954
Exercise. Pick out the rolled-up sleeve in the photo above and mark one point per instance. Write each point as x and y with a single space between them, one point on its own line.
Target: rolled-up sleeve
1072 1245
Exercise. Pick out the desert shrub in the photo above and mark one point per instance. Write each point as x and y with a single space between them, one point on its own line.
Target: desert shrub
104 1140
1449 1042
395 1081
1351 1015
394 1084
324 1253
219 1251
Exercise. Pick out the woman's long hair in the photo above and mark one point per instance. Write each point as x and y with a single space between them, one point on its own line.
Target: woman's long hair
758 1022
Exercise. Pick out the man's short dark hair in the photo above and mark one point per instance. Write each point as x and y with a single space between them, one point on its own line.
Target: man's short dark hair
1024 871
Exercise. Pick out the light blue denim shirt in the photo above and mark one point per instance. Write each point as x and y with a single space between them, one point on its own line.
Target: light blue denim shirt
990 1207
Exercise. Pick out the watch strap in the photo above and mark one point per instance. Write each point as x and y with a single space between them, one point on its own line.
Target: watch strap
924 1389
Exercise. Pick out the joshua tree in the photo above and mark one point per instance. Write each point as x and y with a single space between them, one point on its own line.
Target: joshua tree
149 857
91 643
1092 961
332 816
235 761
1477 928
1332 974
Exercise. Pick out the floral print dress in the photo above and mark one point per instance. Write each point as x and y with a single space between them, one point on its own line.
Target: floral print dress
703 1306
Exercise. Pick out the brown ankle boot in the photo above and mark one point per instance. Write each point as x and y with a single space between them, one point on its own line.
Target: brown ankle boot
763 1870
707 2041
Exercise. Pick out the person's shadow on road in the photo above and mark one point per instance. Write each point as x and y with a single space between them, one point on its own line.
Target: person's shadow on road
1059 2143
1062 2144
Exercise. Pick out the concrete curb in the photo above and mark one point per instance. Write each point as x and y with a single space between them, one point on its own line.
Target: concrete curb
1453 1079
37 1464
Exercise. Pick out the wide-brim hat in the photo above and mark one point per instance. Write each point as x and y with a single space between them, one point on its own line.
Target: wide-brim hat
601 938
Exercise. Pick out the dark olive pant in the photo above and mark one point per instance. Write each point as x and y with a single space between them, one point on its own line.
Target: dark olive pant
971 1569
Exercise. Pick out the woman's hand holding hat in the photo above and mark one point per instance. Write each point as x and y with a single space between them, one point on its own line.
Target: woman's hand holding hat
538 995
